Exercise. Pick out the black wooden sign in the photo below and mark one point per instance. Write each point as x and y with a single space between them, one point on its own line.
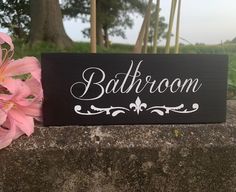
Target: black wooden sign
99 89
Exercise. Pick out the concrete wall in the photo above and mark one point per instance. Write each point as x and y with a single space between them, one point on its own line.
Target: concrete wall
162 158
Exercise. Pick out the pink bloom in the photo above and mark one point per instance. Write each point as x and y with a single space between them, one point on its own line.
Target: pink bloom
18 67
20 101
4 38
17 112
10 68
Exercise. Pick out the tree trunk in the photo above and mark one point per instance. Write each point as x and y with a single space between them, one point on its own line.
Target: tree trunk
146 36
106 36
93 26
99 27
171 21
99 32
177 29
155 38
138 45
46 23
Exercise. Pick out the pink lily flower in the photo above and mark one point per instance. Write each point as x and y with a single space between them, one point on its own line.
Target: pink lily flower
13 68
4 38
17 112
10 68
20 101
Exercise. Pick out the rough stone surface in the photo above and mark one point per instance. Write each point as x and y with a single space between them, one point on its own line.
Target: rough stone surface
152 158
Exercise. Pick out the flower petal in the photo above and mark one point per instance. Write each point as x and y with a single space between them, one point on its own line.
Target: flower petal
20 96
4 38
8 135
23 66
3 116
35 88
34 110
4 109
37 74
19 91
0 55
6 97
5 138
11 85
23 122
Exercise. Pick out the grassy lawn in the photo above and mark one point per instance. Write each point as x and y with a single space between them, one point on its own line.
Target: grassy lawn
22 50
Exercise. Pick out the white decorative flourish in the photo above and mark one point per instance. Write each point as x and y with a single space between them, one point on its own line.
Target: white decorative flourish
137 107
114 111
161 110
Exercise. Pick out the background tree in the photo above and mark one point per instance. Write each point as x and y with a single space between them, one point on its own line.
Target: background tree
113 16
146 35
46 24
141 36
160 25
234 40
171 22
156 26
177 28
150 13
15 16
93 26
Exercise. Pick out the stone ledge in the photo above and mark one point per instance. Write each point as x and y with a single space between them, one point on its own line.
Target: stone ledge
196 157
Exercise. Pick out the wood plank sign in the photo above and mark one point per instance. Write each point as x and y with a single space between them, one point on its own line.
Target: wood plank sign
101 89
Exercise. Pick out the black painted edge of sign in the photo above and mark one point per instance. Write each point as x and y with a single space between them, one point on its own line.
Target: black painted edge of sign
175 55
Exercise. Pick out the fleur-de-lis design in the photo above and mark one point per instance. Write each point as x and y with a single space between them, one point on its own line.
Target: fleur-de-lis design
138 105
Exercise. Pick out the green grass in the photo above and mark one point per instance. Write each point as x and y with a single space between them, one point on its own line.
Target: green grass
22 49
232 70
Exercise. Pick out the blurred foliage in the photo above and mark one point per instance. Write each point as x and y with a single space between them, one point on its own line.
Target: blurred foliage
114 15
161 28
232 77
15 16
234 40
